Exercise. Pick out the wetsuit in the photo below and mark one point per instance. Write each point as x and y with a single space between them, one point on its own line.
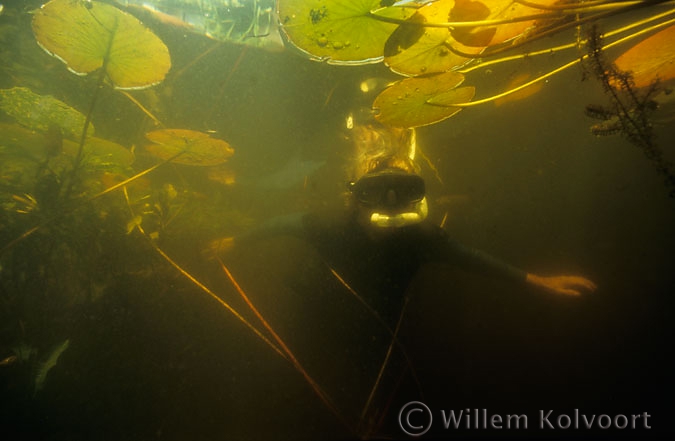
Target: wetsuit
380 266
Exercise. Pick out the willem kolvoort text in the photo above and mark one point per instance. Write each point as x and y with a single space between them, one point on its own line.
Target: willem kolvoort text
545 419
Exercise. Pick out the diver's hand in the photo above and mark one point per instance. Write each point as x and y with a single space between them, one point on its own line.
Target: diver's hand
564 285
218 247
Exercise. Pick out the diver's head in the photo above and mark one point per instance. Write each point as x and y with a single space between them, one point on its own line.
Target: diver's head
390 198
384 186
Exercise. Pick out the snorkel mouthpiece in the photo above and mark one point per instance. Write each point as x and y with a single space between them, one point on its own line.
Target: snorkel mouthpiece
401 219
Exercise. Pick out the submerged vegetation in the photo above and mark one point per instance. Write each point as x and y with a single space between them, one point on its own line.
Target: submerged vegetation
631 107
80 209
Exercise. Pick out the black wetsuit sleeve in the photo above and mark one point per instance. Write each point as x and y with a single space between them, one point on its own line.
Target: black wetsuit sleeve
290 224
479 261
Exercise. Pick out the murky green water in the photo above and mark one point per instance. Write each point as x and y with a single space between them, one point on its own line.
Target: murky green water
152 355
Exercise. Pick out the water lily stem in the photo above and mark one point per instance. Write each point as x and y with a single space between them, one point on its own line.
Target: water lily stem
87 122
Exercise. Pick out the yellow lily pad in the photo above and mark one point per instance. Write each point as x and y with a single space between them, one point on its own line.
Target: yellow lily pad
652 59
339 31
90 35
416 49
422 100
509 10
41 112
188 147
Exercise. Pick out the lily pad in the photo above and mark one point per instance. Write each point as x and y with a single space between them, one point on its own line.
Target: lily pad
506 10
422 100
197 148
24 152
42 112
416 49
652 59
100 153
340 31
90 35
19 141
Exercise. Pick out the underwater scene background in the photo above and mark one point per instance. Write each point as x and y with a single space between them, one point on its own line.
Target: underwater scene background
110 324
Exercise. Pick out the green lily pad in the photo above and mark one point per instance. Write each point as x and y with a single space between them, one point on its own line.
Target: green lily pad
339 31
197 148
90 35
423 100
41 112
100 153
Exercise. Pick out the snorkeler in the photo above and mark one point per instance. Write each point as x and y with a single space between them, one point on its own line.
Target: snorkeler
383 237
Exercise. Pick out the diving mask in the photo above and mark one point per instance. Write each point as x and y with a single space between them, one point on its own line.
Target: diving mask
396 198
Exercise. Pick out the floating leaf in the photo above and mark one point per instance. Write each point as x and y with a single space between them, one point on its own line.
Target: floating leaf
469 10
339 31
90 35
41 112
16 139
522 94
513 11
423 100
430 43
223 175
197 148
100 153
414 49
651 59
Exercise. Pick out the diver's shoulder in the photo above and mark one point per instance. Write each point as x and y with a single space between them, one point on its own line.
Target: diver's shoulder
327 219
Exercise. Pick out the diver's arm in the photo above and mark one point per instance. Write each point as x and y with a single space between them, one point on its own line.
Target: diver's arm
563 285
480 261
290 224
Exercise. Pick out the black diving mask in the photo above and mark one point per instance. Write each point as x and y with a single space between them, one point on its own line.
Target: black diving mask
389 188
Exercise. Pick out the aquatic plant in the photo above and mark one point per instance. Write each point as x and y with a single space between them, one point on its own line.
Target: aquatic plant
89 36
423 39
48 364
631 101
54 170
188 147
42 112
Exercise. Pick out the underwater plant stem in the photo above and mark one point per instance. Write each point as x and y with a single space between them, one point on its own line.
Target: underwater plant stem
516 89
77 162
289 354
631 108
385 362
548 51
134 177
195 60
563 11
25 234
142 107
99 85
226 81
70 209
379 319
205 289
563 67
361 300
